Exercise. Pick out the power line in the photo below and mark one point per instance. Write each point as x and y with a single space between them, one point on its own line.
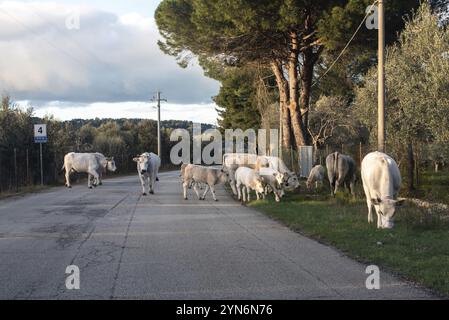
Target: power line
347 44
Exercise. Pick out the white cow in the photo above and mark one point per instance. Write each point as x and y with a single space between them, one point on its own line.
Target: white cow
148 165
316 176
248 179
278 164
232 161
196 175
89 163
341 171
273 180
381 181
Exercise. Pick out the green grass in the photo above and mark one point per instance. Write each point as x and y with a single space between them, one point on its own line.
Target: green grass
434 187
417 248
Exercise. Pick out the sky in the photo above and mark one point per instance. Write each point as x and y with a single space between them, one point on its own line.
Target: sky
96 58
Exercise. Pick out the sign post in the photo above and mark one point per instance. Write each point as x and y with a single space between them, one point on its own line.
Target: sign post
40 136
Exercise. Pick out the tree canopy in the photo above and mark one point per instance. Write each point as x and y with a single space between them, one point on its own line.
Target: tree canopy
287 35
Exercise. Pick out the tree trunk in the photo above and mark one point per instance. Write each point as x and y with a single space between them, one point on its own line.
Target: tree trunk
410 167
295 113
283 101
436 167
306 83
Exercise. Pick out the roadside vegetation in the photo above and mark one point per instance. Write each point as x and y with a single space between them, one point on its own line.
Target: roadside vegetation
121 138
417 248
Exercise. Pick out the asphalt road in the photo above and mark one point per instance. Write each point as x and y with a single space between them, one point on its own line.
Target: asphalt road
162 247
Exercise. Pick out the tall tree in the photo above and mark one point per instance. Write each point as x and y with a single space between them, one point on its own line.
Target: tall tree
236 100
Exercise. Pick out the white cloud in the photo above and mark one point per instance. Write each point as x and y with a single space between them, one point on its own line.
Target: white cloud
111 58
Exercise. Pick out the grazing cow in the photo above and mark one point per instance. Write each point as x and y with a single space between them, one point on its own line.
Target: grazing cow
148 165
316 176
274 180
341 170
196 175
89 163
381 181
232 161
248 179
279 165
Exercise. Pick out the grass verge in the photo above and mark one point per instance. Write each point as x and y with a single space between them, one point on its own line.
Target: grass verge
416 249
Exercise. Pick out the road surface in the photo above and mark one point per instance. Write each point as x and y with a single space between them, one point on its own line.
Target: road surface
162 247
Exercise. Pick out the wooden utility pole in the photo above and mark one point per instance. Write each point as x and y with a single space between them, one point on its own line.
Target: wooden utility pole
280 132
381 79
158 100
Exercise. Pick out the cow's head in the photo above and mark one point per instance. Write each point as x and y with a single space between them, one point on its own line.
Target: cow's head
386 208
143 162
259 185
292 181
111 164
225 176
309 183
281 178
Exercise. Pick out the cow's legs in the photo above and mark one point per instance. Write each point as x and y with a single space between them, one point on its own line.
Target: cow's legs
370 210
379 217
351 188
205 192
248 194
212 190
239 191
67 177
337 184
332 186
151 184
195 188
143 183
94 174
243 193
186 185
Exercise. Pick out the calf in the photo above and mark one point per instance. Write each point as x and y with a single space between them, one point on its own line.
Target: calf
233 161
277 164
248 179
274 180
341 170
381 182
316 176
196 175
148 165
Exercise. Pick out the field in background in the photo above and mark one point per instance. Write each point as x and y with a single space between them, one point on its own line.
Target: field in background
417 248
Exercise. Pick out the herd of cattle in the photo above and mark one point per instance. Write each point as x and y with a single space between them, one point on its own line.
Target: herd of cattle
262 174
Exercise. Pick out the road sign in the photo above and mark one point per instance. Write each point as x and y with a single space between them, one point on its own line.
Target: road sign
40 133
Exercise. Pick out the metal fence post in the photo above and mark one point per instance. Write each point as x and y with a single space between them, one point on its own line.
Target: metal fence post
16 178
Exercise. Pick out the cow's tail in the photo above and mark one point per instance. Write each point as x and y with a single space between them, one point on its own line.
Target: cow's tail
336 154
62 169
